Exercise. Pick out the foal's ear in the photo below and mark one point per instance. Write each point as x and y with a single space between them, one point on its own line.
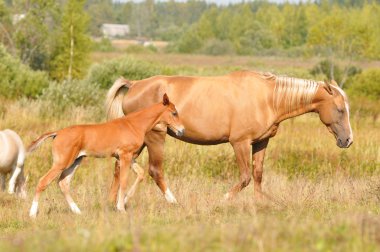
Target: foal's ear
327 87
165 100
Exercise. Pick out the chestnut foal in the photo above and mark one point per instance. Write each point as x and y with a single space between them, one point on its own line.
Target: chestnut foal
120 138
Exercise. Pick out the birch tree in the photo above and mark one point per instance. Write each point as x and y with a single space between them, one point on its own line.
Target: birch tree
70 60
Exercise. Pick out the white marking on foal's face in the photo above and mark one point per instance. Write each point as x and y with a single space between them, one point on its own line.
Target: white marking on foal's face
170 197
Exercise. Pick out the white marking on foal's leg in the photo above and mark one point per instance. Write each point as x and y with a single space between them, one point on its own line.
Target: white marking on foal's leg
33 209
12 181
227 196
170 197
74 208
120 202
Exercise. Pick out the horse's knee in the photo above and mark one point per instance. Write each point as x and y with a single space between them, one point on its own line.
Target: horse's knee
139 171
154 172
245 180
64 185
258 175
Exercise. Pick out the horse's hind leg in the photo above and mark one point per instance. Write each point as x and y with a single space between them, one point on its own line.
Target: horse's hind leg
64 184
140 176
242 152
2 181
12 180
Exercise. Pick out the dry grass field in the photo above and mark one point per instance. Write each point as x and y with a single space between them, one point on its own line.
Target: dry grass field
320 197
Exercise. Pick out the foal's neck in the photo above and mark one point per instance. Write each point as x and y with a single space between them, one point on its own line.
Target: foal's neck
145 119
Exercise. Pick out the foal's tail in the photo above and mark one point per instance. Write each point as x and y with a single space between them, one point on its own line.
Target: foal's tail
114 100
36 143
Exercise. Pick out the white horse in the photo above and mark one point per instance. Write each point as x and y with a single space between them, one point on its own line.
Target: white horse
12 156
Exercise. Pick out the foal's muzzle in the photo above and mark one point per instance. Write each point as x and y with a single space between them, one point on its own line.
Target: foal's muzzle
180 132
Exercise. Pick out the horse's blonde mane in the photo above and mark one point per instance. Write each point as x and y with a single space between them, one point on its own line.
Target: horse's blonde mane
292 92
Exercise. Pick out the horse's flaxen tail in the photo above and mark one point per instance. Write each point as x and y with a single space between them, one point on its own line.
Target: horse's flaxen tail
35 144
114 100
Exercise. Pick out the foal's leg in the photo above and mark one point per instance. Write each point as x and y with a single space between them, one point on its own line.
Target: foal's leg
125 164
64 184
115 183
55 170
155 140
12 180
242 152
140 176
258 153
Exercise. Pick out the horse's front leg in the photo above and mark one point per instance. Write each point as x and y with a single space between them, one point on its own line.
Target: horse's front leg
155 140
258 154
242 152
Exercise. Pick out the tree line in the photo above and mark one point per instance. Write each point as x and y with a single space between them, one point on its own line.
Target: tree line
54 36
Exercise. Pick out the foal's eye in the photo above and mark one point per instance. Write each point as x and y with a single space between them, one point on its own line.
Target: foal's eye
175 113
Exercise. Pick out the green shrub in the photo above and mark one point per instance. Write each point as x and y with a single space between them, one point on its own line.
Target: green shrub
106 73
324 68
18 80
364 93
366 84
104 45
60 97
141 49
217 47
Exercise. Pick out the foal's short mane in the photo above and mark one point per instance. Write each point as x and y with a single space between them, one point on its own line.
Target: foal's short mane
294 92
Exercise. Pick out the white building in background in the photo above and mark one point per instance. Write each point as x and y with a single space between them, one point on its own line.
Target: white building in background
115 30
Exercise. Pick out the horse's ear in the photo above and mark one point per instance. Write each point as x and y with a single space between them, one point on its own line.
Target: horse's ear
333 82
327 87
165 100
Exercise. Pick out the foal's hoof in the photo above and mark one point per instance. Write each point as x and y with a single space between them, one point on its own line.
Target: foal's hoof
121 209
258 196
227 197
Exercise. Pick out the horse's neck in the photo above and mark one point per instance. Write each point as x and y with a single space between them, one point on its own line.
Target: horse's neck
283 112
146 119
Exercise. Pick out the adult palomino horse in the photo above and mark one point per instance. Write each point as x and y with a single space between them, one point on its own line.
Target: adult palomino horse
244 108
12 157
120 138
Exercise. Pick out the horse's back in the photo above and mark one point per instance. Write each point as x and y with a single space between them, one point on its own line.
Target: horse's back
11 150
209 107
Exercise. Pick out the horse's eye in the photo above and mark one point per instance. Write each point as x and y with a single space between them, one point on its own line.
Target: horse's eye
175 113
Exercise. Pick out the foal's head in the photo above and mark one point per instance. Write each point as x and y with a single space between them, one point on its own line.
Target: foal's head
334 113
170 117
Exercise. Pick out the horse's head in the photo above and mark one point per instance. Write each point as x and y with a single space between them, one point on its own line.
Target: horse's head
334 113
171 118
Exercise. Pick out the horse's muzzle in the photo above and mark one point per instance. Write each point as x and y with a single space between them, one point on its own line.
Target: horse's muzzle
344 143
